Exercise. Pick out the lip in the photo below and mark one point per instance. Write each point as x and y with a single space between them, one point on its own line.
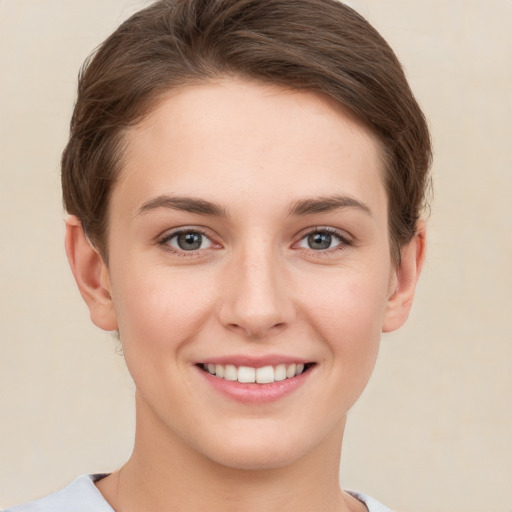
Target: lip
254 393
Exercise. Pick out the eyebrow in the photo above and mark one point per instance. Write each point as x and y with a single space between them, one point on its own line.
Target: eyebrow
187 204
326 204
300 207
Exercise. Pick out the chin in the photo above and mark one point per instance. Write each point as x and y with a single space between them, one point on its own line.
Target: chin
263 458
262 450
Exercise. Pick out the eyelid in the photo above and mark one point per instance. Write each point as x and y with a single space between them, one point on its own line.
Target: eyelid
345 239
164 238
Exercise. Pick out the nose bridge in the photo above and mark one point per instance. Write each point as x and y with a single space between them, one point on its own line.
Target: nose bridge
257 299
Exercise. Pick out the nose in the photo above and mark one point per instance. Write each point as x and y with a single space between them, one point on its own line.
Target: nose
257 296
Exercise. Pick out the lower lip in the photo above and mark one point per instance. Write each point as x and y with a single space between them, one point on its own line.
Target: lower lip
254 393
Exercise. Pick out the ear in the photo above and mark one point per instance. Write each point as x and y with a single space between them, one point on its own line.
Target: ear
91 275
404 279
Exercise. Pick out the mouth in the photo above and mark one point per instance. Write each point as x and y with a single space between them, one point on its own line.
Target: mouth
251 375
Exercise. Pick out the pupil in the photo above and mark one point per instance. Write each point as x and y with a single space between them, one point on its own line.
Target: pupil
319 240
189 241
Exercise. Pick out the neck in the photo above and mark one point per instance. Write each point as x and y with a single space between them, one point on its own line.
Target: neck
173 476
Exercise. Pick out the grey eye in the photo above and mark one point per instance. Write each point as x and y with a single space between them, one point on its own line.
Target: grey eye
319 241
189 241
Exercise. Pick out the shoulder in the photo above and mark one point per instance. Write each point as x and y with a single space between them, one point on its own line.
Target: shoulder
79 496
371 503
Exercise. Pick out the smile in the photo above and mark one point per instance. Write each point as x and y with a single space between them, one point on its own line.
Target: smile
262 375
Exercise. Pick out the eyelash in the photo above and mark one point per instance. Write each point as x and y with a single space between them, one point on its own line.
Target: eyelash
164 242
344 242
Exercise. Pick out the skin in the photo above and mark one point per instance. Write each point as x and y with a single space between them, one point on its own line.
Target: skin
254 287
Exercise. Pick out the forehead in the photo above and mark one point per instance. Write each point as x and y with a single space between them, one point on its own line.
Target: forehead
234 138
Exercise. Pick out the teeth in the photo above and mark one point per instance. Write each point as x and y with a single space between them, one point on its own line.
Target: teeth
280 372
219 370
265 375
247 374
230 372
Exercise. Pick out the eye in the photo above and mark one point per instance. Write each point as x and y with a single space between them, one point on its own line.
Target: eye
322 240
189 240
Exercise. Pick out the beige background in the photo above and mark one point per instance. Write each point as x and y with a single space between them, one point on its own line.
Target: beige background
432 433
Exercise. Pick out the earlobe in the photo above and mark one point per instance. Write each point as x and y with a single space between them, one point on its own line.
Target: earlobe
405 279
91 275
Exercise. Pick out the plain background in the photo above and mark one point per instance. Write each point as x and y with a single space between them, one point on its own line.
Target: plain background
432 432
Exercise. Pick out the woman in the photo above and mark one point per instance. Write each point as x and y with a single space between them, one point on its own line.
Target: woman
244 181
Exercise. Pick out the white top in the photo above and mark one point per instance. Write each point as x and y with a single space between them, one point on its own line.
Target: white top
83 496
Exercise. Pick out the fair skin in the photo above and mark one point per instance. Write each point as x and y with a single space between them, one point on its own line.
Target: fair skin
248 228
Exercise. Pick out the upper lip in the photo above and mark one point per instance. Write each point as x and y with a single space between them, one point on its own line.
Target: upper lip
254 361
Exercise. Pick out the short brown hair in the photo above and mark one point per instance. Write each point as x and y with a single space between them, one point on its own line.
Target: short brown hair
314 45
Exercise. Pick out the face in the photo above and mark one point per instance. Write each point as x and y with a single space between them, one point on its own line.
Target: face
248 241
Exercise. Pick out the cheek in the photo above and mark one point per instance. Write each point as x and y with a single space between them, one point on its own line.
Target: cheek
348 316
351 301
160 309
